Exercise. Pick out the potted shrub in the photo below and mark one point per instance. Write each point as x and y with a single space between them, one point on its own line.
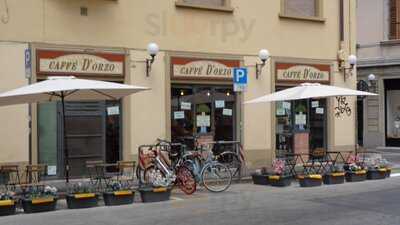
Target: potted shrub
377 169
157 189
155 194
355 173
310 180
260 176
118 194
281 176
37 199
81 196
7 203
335 175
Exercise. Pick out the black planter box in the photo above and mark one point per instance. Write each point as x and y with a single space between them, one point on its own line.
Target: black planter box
310 181
155 194
280 181
352 176
80 201
7 207
118 198
334 178
376 174
39 205
260 179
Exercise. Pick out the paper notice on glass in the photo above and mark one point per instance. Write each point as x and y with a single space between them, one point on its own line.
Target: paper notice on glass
227 112
280 112
186 105
203 121
314 104
51 170
300 119
319 110
220 104
179 115
286 105
113 110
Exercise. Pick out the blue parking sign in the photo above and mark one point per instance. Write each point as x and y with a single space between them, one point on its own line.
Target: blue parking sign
240 76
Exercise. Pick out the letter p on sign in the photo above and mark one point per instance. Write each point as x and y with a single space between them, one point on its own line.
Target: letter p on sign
240 76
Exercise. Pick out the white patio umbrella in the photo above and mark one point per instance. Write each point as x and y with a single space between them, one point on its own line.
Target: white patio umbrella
309 90
67 88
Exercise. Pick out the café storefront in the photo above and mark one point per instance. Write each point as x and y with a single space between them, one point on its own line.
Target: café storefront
93 129
203 102
301 125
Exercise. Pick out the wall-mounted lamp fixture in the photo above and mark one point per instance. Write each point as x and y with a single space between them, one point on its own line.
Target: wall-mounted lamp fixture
352 59
369 86
263 54
152 49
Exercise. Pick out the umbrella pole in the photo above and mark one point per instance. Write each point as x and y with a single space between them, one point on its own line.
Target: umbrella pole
66 156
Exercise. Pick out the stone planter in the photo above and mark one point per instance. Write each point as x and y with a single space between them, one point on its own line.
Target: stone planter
36 205
356 176
279 181
310 180
334 178
118 198
376 174
79 201
7 207
155 194
260 179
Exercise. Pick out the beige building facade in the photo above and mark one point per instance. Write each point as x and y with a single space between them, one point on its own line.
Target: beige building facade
191 79
379 55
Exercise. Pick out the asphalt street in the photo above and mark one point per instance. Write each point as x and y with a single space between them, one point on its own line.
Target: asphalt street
365 203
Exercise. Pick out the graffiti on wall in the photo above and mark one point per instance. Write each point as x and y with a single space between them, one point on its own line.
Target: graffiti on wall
342 107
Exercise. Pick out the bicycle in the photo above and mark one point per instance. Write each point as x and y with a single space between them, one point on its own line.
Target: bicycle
215 176
226 154
160 172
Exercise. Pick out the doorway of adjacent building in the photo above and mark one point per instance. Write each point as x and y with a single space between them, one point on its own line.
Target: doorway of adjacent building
392 112
205 111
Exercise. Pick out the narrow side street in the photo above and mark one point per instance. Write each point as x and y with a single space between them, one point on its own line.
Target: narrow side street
365 203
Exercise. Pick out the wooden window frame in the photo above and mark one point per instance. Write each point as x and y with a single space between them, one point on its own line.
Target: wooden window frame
319 13
394 20
226 8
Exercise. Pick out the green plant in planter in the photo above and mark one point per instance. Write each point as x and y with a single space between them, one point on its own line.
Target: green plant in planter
281 175
81 196
261 176
118 193
377 168
7 203
39 199
334 175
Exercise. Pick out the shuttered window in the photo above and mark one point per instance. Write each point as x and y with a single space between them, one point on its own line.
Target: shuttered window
394 19
206 2
301 8
219 5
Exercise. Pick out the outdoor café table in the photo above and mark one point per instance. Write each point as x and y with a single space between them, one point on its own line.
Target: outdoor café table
334 156
105 177
363 152
10 177
291 160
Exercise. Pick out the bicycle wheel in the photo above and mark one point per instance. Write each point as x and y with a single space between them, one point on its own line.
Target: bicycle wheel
186 180
216 177
231 160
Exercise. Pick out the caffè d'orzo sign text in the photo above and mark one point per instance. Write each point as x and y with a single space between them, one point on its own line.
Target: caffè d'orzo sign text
50 62
299 73
202 69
